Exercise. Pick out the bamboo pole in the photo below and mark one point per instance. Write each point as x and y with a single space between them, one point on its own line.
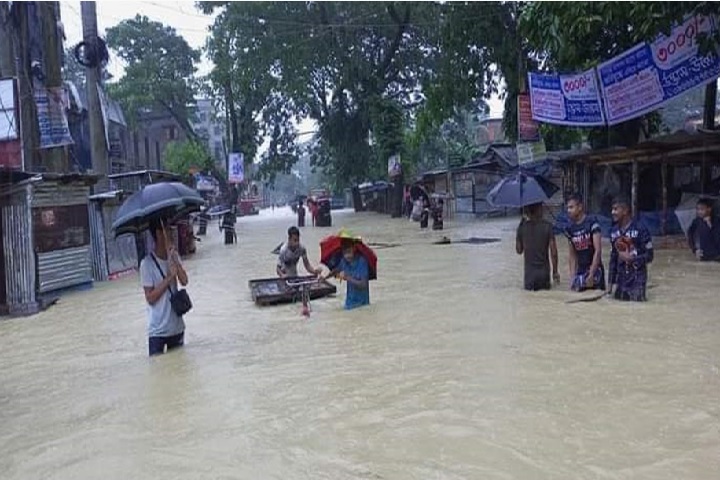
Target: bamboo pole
663 175
634 191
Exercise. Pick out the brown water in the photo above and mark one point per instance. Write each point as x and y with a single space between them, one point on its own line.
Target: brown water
452 373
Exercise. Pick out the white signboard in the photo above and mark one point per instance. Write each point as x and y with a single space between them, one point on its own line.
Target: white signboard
531 152
394 166
51 104
8 118
236 167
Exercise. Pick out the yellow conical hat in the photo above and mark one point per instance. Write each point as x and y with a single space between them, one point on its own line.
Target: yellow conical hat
347 235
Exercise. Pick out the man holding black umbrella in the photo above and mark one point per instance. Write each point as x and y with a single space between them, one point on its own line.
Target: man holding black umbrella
160 272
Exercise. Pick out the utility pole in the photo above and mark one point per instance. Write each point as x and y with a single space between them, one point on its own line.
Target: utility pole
98 149
54 159
28 116
7 50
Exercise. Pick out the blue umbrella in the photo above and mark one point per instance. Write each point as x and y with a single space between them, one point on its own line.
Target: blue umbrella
519 190
166 201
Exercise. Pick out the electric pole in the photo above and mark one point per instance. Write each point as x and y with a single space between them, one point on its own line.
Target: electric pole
98 149
7 42
53 159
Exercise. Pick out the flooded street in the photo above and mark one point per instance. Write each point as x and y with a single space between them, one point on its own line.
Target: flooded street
453 372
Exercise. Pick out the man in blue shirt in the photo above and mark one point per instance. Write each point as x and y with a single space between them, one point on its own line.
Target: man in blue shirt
354 269
632 251
704 233
585 239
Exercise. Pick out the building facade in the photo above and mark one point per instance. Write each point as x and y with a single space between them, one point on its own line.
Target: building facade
210 127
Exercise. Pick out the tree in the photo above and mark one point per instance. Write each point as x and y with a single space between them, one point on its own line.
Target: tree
72 70
478 45
329 60
159 69
184 157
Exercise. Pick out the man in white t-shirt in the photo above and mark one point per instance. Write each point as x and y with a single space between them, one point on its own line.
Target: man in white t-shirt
290 254
160 272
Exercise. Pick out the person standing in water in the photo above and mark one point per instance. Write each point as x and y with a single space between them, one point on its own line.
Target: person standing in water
301 214
632 251
437 215
585 248
355 270
160 272
425 214
536 241
290 254
704 233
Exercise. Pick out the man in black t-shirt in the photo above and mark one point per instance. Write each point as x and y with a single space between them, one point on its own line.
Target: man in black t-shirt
536 241
585 253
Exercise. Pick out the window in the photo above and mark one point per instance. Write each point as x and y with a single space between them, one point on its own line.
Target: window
58 228
171 133
218 130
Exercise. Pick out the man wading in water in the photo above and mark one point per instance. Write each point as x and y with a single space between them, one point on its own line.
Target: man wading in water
535 240
632 251
585 239
159 272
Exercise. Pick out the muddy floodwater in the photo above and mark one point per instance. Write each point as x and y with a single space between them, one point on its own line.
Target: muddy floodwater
453 372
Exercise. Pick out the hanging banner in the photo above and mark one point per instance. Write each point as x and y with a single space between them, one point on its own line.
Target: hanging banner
394 166
51 104
648 75
236 168
571 100
528 129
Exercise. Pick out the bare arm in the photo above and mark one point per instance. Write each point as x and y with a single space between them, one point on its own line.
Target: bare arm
153 294
554 255
597 257
181 273
572 259
519 247
309 267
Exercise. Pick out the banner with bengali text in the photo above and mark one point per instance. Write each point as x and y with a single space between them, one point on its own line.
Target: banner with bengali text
648 75
570 100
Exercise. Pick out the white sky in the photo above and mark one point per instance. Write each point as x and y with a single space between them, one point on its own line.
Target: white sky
183 16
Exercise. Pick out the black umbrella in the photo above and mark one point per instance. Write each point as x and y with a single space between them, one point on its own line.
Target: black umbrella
417 191
166 201
520 190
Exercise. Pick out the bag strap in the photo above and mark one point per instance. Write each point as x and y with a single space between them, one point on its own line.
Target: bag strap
162 274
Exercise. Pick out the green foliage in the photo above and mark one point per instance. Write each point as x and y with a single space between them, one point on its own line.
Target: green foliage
72 71
388 129
159 69
326 61
183 157
560 138
478 45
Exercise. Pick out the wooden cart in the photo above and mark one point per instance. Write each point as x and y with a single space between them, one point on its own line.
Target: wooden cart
274 291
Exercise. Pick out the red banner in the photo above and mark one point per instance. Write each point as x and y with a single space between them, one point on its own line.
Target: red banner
528 129
10 155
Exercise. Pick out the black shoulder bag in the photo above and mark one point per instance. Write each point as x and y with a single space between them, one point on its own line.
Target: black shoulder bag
180 300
